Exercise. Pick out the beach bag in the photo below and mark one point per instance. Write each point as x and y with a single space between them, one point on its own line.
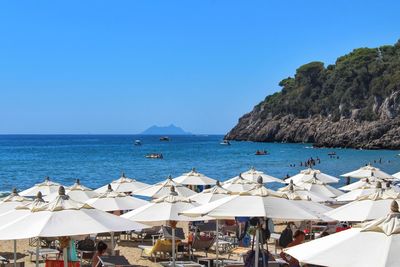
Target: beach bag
286 237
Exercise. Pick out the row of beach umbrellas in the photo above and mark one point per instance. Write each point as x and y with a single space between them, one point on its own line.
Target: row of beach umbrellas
242 196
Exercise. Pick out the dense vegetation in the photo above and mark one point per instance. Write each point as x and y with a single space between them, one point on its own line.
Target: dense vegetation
351 88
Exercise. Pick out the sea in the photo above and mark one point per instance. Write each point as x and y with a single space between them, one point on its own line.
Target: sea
98 159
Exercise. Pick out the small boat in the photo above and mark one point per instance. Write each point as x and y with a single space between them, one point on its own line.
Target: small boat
164 138
225 143
332 154
261 152
154 156
138 143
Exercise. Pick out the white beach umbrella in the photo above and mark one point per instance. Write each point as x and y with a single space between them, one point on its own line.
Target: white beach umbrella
164 188
114 201
253 175
77 192
372 244
365 208
19 211
60 217
239 184
258 202
305 193
123 185
13 200
46 188
64 217
368 183
368 171
211 194
194 178
396 175
316 186
310 206
368 189
165 209
309 174
362 183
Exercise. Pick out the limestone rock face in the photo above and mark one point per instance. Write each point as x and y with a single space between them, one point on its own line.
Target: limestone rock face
322 131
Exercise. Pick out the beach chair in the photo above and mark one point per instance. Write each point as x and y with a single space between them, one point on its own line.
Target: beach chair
201 243
161 248
86 249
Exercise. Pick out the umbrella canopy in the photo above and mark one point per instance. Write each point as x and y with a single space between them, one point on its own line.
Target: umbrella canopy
20 210
239 184
164 188
396 175
367 172
253 175
64 217
309 174
362 183
258 202
12 201
211 194
113 201
164 209
305 193
372 244
365 208
77 192
46 188
368 189
194 178
305 202
316 186
123 185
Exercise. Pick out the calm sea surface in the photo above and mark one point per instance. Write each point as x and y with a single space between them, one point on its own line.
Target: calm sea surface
98 159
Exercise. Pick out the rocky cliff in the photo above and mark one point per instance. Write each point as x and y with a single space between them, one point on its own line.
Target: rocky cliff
352 103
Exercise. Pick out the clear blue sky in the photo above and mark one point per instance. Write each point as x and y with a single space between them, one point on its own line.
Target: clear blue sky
121 66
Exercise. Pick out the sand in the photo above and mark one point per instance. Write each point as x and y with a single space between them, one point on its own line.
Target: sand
127 248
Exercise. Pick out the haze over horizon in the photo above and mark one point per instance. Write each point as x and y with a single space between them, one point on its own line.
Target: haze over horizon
105 67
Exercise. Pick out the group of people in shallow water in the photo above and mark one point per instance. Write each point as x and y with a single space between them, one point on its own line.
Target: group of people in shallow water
310 162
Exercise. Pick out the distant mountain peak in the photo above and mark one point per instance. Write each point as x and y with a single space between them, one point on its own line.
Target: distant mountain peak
165 130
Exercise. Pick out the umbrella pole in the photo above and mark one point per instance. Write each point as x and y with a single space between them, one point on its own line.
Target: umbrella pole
112 244
173 246
257 247
15 253
65 256
216 241
37 251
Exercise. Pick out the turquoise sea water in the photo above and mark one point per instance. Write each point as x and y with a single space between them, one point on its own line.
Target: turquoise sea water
98 159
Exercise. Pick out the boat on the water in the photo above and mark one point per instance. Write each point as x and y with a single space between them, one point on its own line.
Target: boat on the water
155 156
332 153
225 143
261 152
164 138
138 143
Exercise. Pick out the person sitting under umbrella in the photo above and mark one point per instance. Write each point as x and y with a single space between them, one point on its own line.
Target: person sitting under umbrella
298 238
101 249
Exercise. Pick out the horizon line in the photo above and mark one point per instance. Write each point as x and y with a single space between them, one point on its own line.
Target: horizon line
111 134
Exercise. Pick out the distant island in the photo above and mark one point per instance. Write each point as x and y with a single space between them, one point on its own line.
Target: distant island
165 130
353 103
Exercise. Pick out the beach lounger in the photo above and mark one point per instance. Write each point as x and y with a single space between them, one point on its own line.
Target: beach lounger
113 261
201 243
160 248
